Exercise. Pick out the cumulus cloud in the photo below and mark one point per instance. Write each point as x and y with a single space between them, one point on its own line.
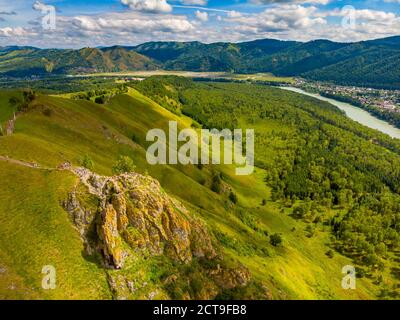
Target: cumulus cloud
364 14
40 6
154 6
150 20
303 23
283 18
14 32
234 14
133 23
201 15
322 2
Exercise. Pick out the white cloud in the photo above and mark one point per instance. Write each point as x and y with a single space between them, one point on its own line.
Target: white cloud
14 32
40 6
304 23
234 14
201 15
322 2
281 20
195 2
364 14
154 6
86 23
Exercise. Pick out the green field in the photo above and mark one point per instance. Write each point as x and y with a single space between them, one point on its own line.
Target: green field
262 77
37 231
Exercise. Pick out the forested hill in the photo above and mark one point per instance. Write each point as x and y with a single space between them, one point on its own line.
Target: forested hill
369 63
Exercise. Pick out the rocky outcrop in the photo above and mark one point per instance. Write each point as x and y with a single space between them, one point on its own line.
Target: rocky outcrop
135 213
133 220
9 126
231 278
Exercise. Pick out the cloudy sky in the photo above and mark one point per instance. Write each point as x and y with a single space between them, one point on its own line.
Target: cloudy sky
81 23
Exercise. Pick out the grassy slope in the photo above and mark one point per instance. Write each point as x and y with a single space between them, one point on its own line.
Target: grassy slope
36 231
298 270
6 110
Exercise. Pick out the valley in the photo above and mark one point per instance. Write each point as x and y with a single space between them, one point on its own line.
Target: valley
81 196
364 64
384 104
355 113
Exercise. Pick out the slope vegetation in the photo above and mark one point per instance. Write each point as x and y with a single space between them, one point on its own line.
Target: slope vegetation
51 216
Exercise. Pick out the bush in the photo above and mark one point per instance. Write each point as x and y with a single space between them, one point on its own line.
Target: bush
99 100
135 139
124 164
14 101
360 273
87 162
330 254
48 112
233 197
310 231
275 239
216 185
29 96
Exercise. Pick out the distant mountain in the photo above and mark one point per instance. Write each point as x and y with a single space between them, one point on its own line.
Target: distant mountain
196 56
24 61
369 63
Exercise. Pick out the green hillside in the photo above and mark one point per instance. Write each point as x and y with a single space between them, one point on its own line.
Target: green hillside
368 63
317 201
22 62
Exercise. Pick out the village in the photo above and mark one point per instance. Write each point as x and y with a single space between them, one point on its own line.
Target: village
385 100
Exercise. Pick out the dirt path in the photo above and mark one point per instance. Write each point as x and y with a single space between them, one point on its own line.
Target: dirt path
83 174
21 163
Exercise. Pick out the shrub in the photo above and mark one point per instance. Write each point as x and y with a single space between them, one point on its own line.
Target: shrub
29 96
360 272
233 197
216 185
310 231
99 100
87 162
330 254
275 239
124 164
135 139
48 112
14 101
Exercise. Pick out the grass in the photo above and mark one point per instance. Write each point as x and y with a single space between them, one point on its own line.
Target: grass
6 110
36 231
266 77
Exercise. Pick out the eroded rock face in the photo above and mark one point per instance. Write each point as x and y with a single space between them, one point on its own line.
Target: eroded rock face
231 278
133 217
10 127
135 214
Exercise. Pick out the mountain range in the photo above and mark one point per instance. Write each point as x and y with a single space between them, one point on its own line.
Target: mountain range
368 63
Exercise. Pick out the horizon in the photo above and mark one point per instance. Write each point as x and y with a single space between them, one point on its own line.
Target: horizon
205 43
73 24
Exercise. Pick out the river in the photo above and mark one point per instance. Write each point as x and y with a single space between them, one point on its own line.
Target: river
355 113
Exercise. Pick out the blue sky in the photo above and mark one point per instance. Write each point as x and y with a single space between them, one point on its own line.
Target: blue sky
127 22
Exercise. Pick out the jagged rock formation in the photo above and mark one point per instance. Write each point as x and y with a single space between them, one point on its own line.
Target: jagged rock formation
10 126
135 217
134 210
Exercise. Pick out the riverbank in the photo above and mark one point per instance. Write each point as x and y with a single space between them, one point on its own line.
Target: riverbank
355 113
